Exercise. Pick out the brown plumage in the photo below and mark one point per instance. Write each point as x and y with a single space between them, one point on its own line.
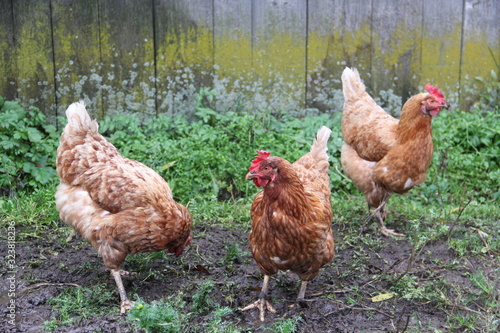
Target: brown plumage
118 205
291 216
383 155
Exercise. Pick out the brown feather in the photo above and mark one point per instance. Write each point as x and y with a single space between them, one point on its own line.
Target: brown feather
382 154
119 206
292 216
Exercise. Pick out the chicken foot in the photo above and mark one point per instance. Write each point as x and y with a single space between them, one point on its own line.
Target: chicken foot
385 231
71 236
380 214
126 304
262 303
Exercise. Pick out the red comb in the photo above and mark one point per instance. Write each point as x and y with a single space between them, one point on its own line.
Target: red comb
263 155
435 91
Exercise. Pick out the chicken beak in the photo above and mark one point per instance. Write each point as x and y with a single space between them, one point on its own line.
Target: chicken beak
251 175
445 106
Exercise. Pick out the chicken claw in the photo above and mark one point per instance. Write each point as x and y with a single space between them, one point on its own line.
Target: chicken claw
380 214
127 273
126 305
383 229
386 232
263 305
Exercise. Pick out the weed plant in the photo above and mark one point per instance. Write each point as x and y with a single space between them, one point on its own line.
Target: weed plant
157 316
28 148
95 301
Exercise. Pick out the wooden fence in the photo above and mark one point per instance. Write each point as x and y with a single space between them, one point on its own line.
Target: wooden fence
153 56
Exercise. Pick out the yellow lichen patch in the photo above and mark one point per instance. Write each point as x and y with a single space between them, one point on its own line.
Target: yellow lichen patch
31 63
193 46
441 61
477 61
127 72
395 59
282 56
279 63
6 65
340 48
233 56
31 53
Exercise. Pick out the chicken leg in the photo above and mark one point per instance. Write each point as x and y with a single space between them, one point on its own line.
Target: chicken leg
383 229
262 303
302 291
71 235
380 214
126 304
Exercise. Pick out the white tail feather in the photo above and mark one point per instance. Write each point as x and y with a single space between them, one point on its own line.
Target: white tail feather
351 83
79 119
319 146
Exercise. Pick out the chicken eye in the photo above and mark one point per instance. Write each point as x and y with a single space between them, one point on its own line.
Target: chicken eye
267 168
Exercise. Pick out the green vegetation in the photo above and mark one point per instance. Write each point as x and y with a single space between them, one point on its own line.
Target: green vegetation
205 159
80 302
28 147
158 316
34 212
216 146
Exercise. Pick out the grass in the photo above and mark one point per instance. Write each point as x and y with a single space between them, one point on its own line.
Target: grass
79 302
33 212
455 211
471 303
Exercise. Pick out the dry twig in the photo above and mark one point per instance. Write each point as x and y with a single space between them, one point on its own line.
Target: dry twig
46 284
342 306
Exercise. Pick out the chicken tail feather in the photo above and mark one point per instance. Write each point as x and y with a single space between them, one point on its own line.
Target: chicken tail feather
351 83
319 147
78 119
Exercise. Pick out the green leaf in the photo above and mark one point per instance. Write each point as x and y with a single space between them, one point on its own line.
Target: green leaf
382 297
34 135
43 174
9 143
168 165
28 166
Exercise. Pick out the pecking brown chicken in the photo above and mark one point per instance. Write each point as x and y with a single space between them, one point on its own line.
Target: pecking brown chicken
291 216
119 206
383 155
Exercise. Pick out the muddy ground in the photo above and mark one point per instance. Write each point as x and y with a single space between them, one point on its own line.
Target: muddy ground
47 265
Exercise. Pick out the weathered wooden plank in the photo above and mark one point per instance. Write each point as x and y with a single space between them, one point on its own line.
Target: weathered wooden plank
339 35
184 49
481 45
76 53
279 51
127 50
8 82
233 37
33 62
103 50
233 54
441 47
396 38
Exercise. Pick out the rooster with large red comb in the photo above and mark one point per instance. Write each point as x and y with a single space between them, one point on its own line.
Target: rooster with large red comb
291 216
383 155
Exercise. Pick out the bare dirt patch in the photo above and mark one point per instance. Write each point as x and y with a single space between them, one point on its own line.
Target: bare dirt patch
338 300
